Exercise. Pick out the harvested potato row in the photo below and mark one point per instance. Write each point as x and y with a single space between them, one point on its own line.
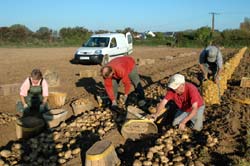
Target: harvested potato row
211 93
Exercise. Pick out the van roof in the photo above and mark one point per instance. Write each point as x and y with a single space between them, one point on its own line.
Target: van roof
107 35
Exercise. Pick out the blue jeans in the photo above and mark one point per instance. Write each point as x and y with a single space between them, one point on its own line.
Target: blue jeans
196 121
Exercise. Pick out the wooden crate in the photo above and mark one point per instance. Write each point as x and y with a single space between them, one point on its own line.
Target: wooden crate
102 153
245 82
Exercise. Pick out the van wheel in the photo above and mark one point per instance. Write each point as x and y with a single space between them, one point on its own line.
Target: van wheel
105 60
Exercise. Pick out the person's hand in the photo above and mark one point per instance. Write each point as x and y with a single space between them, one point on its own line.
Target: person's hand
25 105
125 98
205 78
114 103
217 79
182 126
152 116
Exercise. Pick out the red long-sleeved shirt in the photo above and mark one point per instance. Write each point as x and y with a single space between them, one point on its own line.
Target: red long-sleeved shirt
121 66
185 100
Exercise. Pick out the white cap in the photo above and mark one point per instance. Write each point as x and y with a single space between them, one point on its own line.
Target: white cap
175 81
212 53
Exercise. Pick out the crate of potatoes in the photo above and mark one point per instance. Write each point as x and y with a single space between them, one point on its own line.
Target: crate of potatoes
82 105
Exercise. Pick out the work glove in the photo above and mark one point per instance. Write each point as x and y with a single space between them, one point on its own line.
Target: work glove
114 106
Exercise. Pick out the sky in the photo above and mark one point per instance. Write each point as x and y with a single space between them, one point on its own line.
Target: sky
112 15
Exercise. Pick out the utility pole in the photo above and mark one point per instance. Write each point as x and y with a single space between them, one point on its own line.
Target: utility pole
213 13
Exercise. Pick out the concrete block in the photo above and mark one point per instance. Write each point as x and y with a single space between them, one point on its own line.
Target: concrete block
169 57
52 78
187 54
141 62
10 89
88 73
245 82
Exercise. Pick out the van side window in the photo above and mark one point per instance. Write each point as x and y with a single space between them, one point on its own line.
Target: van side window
113 43
130 40
103 41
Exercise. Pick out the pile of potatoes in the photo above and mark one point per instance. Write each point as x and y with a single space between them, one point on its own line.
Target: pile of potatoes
155 91
6 118
82 105
57 145
210 93
210 90
177 148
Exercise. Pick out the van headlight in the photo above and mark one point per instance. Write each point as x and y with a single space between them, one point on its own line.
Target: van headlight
98 52
79 52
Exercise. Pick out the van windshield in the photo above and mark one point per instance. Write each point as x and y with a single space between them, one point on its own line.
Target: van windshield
97 42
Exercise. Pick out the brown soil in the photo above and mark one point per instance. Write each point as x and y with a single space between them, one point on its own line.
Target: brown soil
229 122
16 65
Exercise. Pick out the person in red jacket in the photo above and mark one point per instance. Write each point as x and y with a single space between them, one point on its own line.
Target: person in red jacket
189 101
122 69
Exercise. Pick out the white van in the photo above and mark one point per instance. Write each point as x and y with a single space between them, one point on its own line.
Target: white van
101 48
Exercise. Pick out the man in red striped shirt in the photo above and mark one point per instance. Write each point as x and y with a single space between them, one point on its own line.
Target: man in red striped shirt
122 69
189 101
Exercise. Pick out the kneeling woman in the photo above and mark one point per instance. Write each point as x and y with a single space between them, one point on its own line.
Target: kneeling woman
34 95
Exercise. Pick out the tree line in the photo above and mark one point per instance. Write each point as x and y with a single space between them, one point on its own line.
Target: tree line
20 36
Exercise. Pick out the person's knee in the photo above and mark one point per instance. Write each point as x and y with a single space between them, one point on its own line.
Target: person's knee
43 108
198 124
176 121
198 128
